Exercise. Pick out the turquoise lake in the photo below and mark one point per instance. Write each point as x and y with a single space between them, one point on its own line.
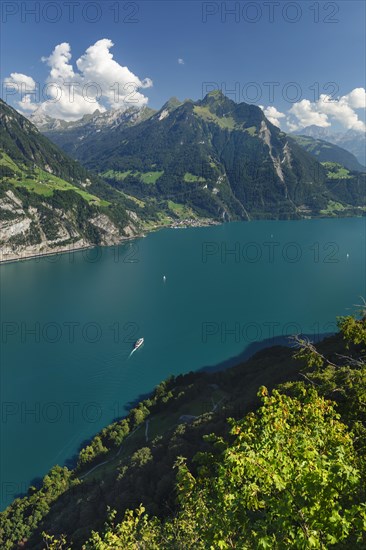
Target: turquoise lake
69 322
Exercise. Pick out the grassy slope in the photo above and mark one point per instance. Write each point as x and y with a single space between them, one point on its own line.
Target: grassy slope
227 123
336 171
42 183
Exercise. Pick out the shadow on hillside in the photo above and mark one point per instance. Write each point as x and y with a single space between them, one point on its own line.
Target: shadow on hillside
256 347
249 353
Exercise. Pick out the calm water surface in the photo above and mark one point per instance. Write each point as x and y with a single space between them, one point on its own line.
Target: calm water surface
69 322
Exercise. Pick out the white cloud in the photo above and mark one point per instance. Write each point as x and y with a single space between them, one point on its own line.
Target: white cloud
357 98
98 82
305 114
59 62
20 82
273 115
342 112
327 110
26 104
181 61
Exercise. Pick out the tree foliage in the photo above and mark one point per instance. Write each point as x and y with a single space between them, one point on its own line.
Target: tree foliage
287 473
290 475
289 478
18 522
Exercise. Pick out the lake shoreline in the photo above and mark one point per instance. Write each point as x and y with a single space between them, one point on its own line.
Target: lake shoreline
70 321
180 224
68 250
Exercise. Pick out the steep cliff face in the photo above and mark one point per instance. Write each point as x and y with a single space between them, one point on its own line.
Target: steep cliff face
29 228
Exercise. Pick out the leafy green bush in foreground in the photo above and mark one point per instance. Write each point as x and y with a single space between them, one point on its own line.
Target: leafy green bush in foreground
289 478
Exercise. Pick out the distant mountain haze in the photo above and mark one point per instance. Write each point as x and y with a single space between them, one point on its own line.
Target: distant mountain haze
352 141
324 151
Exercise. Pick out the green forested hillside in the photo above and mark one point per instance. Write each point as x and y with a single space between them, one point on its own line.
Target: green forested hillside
350 140
346 187
325 151
288 471
222 159
49 202
25 145
239 161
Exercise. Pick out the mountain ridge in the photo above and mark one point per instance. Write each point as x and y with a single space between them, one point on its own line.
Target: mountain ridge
325 151
351 140
223 159
190 163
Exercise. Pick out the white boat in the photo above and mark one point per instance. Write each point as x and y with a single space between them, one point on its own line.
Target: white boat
138 343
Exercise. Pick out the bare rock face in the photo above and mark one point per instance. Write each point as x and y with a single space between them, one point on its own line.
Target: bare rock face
42 209
110 233
130 231
12 228
10 253
13 220
36 231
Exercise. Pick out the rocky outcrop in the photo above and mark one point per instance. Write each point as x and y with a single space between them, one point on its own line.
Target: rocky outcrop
110 233
28 231
10 253
265 135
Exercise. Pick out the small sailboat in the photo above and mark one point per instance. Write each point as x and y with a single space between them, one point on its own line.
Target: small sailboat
164 279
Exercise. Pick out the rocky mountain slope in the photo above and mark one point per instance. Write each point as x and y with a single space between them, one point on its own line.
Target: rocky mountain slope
222 159
49 202
70 135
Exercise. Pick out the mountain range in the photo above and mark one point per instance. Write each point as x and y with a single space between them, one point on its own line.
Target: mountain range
70 134
324 151
352 141
98 121
222 159
134 170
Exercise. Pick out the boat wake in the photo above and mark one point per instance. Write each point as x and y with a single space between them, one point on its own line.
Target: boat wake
133 351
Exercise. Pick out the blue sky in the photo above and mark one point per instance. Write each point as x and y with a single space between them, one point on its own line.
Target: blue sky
227 49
